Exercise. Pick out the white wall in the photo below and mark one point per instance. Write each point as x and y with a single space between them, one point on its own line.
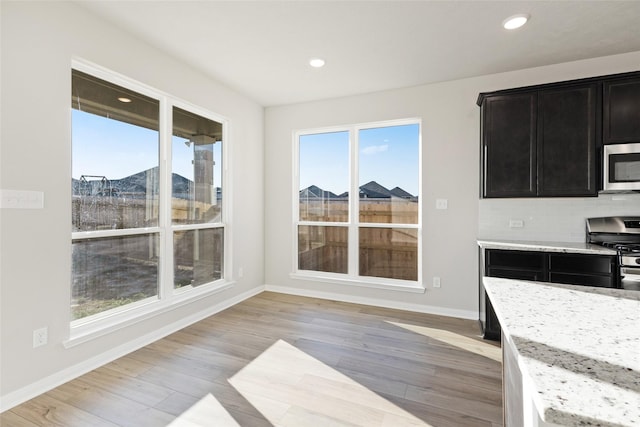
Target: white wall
38 43
450 136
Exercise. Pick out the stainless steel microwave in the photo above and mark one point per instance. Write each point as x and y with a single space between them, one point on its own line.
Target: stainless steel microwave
621 167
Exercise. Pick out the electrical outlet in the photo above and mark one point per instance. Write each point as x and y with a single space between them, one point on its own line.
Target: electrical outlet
442 204
516 223
436 282
40 337
240 273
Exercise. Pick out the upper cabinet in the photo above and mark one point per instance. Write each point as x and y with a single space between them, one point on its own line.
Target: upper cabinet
541 141
621 111
509 144
567 137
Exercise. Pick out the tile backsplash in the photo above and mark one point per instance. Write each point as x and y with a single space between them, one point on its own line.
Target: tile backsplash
549 219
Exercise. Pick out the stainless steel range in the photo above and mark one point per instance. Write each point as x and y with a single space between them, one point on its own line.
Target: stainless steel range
621 233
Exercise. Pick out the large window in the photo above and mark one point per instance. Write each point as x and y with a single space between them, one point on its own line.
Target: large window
147 197
358 204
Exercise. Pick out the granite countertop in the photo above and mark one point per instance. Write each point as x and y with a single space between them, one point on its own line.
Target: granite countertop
564 247
578 347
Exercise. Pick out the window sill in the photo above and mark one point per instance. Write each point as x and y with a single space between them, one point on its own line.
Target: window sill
83 331
387 284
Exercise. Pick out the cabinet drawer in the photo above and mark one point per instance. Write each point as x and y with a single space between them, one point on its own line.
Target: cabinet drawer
504 273
516 260
581 264
582 279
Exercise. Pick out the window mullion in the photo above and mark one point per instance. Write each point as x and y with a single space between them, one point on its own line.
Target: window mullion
295 214
166 234
354 196
227 196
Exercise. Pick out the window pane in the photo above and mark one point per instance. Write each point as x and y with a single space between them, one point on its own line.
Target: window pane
324 177
323 248
197 256
115 156
389 252
111 272
196 166
389 174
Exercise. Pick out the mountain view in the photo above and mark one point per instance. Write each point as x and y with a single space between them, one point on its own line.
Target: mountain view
132 186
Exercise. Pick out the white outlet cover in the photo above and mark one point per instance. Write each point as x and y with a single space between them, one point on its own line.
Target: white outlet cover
40 337
441 203
516 223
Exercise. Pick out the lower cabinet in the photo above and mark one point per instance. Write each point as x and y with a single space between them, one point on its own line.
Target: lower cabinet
573 269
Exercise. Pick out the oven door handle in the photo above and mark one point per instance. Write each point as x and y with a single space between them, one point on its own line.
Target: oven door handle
630 271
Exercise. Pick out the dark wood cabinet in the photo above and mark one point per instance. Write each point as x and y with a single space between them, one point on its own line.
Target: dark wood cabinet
621 109
509 135
574 269
541 142
580 269
567 129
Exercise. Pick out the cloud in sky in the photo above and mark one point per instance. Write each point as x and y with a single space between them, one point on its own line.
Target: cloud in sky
375 149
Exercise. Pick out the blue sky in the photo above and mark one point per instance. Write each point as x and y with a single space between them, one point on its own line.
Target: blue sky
115 149
387 155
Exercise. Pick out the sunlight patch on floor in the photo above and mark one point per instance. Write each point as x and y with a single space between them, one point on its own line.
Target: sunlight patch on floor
465 343
291 388
206 412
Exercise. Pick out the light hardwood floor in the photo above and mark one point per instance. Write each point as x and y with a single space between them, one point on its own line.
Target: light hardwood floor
290 361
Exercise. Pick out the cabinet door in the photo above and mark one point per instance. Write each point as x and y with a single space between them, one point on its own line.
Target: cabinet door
567 124
509 144
492 330
621 114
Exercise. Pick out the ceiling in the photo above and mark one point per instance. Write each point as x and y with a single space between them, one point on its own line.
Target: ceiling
262 48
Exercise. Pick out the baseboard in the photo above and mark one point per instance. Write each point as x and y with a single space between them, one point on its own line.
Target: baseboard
419 308
23 394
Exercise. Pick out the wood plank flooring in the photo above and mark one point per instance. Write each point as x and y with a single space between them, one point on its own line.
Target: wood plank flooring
284 360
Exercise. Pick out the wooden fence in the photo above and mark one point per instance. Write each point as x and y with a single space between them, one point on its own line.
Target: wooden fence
383 252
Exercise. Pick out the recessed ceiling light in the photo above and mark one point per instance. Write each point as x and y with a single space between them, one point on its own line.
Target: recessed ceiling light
316 62
124 99
515 21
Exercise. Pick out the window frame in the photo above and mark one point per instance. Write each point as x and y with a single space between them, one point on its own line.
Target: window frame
167 298
353 223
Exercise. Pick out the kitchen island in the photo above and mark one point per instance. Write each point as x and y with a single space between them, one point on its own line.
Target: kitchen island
571 354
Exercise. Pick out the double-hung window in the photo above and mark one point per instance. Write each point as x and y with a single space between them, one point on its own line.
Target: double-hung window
357 204
148 224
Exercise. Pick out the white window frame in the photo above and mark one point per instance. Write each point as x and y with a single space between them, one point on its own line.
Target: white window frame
168 298
353 224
